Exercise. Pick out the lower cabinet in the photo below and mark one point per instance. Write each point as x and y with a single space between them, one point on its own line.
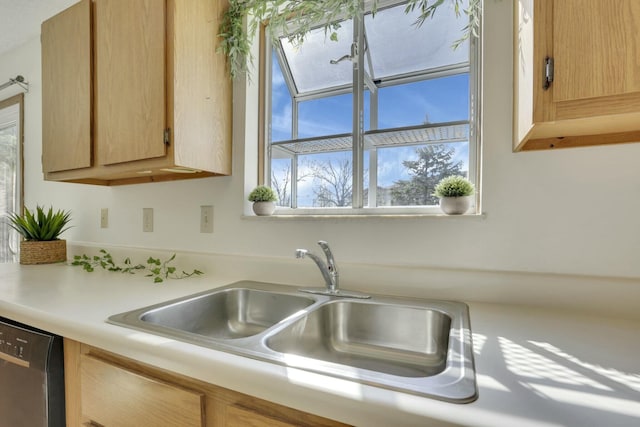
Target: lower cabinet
103 389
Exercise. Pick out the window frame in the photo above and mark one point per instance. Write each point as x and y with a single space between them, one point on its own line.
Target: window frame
358 207
18 101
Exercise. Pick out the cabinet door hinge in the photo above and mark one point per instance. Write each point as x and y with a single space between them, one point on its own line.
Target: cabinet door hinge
167 134
548 72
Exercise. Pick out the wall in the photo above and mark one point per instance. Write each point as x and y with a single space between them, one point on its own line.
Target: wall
571 211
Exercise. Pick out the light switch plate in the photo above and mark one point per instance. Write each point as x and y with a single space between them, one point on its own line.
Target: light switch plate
206 219
147 220
104 218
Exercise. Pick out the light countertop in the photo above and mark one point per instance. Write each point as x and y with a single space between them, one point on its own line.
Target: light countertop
535 367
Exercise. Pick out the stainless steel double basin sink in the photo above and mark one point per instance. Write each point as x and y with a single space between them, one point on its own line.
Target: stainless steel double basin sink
416 346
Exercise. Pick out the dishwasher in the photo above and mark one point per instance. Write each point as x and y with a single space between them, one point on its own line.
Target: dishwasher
31 377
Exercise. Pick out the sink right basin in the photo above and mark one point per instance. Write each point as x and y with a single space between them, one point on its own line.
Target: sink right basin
393 339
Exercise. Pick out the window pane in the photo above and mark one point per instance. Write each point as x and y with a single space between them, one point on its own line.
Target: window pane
407 176
423 48
445 99
311 63
281 180
325 180
280 104
325 116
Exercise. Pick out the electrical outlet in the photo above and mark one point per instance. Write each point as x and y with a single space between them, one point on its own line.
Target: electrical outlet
104 218
206 219
147 220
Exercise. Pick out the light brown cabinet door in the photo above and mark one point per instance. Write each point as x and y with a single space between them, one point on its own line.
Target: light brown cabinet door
596 48
130 61
114 396
66 89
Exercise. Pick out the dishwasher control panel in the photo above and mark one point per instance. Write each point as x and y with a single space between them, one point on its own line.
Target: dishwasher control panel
24 345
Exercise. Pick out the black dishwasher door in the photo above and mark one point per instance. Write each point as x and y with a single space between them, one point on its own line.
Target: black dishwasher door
31 377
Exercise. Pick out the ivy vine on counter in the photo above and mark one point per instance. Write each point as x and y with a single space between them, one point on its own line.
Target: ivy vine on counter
154 267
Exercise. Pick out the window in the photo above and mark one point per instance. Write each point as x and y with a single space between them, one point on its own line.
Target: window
380 144
10 174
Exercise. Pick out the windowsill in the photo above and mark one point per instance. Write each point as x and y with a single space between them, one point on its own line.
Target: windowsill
291 217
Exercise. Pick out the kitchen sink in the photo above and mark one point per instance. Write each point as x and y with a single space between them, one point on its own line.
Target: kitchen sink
393 339
411 345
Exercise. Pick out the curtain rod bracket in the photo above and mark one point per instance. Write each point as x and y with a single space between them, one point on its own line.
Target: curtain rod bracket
19 80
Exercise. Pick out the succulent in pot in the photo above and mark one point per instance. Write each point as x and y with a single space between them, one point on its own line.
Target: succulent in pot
455 194
263 199
41 232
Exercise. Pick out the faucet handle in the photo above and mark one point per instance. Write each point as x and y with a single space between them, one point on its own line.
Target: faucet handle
331 263
327 252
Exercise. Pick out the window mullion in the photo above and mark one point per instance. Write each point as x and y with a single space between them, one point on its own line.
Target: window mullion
294 181
373 151
358 108
294 162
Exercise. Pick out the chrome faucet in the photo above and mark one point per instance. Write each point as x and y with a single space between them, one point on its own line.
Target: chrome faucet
329 272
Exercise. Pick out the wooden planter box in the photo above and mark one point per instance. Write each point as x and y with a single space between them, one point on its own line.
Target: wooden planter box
37 252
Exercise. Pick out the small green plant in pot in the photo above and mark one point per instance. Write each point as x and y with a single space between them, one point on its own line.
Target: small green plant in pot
455 194
263 199
41 232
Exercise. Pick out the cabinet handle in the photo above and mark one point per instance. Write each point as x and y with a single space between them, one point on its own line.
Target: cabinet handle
92 423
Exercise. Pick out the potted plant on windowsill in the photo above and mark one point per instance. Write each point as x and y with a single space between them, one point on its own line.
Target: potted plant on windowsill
455 194
41 231
263 199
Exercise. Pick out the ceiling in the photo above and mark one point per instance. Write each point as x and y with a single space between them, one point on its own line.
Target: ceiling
20 19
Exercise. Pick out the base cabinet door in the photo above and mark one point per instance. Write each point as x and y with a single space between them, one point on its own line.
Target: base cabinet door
114 396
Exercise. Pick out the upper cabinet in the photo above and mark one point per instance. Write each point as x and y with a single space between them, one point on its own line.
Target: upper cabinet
134 91
67 102
577 73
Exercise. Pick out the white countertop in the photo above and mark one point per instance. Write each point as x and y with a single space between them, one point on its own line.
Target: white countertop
534 367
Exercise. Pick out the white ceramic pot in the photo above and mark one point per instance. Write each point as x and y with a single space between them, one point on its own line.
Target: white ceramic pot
455 205
264 208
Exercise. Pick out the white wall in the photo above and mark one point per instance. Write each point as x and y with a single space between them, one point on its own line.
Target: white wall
568 211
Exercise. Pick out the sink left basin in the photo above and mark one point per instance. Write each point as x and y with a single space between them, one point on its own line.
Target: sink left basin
227 313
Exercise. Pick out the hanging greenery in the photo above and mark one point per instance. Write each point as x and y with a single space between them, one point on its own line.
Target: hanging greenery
297 17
